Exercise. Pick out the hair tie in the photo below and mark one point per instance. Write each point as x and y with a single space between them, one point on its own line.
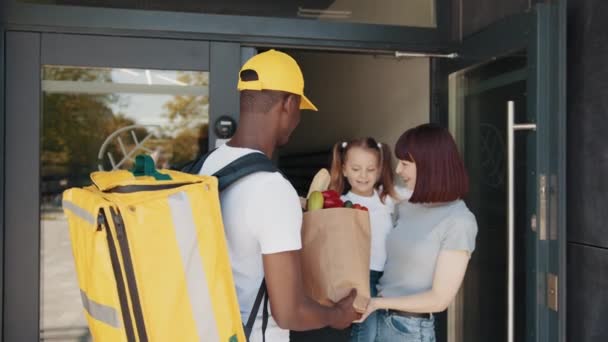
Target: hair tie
344 144
380 145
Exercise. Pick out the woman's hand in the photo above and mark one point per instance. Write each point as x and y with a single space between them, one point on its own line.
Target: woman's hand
371 307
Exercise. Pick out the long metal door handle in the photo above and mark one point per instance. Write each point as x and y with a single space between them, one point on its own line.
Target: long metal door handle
511 128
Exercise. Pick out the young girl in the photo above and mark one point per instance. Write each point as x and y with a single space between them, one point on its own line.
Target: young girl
361 172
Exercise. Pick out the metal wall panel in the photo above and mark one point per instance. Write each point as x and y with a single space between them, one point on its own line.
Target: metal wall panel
471 16
587 122
587 299
2 173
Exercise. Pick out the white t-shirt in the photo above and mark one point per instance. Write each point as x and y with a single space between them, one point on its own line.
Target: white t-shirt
262 215
382 217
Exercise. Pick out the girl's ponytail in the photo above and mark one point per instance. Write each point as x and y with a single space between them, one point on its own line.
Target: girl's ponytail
337 163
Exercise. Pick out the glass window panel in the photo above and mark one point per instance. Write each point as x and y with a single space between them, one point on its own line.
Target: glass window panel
419 13
101 118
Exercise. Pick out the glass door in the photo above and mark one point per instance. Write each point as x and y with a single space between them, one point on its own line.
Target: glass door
78 104
506 111
479 118
101 118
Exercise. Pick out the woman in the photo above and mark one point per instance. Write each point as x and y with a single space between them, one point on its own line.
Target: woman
429 249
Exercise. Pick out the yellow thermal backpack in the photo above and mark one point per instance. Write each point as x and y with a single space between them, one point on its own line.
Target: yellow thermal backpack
151 255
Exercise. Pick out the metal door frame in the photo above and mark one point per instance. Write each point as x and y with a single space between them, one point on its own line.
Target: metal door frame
542 33
249 30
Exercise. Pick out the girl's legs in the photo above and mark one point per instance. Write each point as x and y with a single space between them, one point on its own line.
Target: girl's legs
366 331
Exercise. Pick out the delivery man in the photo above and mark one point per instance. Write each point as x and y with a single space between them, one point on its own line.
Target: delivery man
261 212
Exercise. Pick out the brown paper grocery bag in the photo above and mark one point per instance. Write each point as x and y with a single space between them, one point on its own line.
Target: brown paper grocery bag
336 255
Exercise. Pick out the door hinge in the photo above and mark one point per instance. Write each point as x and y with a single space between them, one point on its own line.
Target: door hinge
552 291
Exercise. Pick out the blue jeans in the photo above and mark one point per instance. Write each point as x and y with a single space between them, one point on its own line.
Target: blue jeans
394 328
366 331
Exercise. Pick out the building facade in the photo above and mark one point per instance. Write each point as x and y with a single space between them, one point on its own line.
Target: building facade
87 84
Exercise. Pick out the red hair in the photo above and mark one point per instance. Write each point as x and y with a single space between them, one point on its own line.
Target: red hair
339 183
440 171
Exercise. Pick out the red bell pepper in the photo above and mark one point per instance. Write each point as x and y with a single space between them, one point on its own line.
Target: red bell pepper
332 202
331 194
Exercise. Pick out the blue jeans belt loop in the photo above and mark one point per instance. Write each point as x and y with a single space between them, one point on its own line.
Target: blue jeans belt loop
409 314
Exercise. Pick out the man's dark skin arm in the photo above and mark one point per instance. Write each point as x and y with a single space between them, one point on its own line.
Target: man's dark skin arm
291 308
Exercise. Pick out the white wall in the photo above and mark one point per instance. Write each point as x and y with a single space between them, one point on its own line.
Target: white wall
359 95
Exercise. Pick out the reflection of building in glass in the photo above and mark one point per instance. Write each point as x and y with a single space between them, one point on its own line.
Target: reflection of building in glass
101 118
83 107
492 155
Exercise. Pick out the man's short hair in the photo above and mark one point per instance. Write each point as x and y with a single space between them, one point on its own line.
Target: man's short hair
260 101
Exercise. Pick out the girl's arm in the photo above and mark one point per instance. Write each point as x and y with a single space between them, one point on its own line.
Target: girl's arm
450 270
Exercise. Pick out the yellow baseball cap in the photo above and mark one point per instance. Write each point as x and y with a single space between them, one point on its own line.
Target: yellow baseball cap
276 71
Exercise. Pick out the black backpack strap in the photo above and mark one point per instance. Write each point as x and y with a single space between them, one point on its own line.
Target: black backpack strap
243 166
265 315
237 169
194 167
262 294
